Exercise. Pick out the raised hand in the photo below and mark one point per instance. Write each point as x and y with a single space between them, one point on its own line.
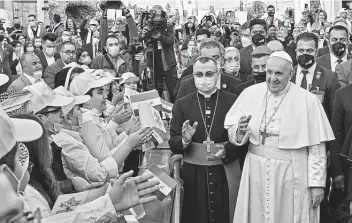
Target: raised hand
122 117
117 97
140 137
243 124
188 131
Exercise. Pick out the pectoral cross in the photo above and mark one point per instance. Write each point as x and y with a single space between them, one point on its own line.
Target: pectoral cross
208 144
264 134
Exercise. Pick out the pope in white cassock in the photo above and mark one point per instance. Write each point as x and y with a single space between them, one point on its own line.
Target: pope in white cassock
284 173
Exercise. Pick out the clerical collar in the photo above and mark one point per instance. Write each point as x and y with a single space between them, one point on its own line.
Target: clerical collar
283 91
208 95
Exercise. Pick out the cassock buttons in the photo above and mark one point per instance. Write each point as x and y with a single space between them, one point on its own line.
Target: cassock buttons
224 86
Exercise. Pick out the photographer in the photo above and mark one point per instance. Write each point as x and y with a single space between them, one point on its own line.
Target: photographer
162 40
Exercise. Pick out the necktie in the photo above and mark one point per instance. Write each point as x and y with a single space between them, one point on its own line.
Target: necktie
304 79
339 61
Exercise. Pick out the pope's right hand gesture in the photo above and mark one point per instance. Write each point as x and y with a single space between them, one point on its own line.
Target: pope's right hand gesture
242 127
188 131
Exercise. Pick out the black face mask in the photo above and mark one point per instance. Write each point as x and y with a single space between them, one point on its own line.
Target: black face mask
2 37
271 13
306 61
259 76
258 39
17 26
338 48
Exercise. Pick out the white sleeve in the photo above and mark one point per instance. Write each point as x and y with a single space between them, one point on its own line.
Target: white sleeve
317 164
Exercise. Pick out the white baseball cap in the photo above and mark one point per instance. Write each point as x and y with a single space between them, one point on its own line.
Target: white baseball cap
13 130
44 96
77 100
3 79
82 83
128 76
282 55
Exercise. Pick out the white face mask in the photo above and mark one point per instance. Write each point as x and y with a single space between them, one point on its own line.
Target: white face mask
245 41
38 74
50 51
231 67
113 51
206 84
87 61
95 41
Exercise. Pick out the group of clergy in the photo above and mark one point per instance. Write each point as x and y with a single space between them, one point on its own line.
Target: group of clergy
259 156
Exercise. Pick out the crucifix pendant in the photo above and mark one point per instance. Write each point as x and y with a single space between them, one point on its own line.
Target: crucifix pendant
264 135
208 144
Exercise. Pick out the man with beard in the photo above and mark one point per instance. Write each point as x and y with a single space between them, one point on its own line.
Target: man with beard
284 173
33 28
210 176
338 41
47 55
311 75
271 20
258 31
68 55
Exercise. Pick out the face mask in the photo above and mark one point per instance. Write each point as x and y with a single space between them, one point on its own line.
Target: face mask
231 67
95 41
37 74
190 25
113 51
258 39
205 84
306 61
259 76
245 41
66 38
57 127
271 13
2 37
30 49
339 48
32 23
50 51
17 26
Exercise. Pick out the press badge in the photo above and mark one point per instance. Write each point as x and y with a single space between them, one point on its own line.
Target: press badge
319 94
160 46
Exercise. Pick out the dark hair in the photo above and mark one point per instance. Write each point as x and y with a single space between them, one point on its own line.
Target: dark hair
57 18
204 60
307 36
49 36
188 30
2 28
111 37
31 15
20 34
9 158
338 28
254 22
79 53
41 155
185 43
26 44
271 26
60 77
90 92
66 43
16 17
270 6
203 32
15 42
74 25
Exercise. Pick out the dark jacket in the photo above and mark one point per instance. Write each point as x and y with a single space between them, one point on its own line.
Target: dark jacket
51 71
246 67
40 54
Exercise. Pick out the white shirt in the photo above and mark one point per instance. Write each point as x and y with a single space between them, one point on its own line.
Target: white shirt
309 76
30 78
334 61
50 60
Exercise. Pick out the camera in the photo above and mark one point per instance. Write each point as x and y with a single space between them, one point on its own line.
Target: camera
152 22
135 47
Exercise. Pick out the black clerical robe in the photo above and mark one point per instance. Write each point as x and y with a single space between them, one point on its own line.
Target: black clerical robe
206 191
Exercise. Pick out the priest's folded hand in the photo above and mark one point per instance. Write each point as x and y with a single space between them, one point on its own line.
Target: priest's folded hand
317 196
188 131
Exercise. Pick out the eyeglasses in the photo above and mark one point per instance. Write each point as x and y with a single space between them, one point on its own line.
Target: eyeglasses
31 20
207 74
67 52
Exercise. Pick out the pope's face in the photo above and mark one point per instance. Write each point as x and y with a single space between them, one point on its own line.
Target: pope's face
278 74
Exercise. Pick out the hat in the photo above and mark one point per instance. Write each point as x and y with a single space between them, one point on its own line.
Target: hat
262 50
3 79
82 83
128 76
44 96
275 45
13 130
282 55
77 100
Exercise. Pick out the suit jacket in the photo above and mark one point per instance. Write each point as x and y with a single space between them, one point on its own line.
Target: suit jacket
59 29
43 60
325 61
188 86
326 81
341 123
6 59
325 50
246 67
19 84
84 31
51 71
89 48
343 72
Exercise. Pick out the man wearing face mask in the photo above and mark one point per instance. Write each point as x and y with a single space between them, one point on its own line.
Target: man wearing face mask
258 31
197 133
215 50
87 34
343 71
68 55
32 72
231 64
33 28
338 45
313 77
47 55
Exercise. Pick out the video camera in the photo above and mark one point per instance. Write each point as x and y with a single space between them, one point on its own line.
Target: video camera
152 22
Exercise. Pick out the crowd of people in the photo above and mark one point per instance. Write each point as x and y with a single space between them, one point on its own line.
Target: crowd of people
261 114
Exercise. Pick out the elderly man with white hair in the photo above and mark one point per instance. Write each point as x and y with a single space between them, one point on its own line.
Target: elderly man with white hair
284 173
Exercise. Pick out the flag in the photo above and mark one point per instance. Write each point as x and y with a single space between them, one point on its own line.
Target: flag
152 97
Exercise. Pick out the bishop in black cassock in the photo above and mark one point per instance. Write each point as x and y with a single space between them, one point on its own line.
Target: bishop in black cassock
206 182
